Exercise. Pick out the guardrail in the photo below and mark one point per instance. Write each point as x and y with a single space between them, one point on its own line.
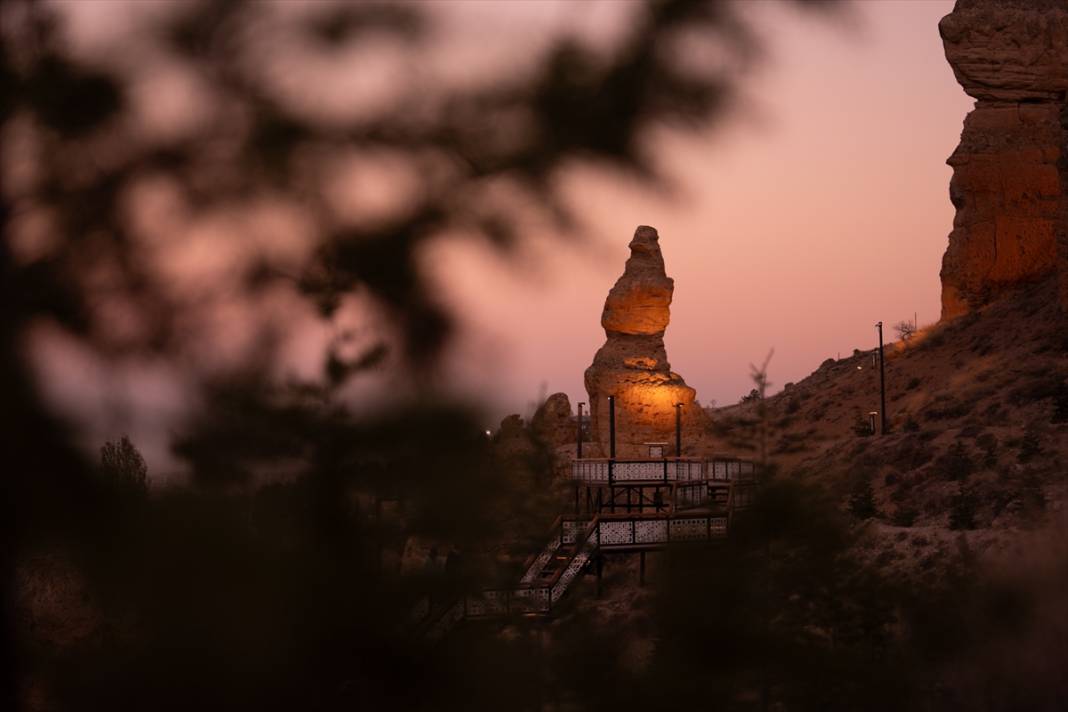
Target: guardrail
692 483
654 530
665 470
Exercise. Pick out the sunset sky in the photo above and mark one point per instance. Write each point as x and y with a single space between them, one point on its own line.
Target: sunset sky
820 210
820 207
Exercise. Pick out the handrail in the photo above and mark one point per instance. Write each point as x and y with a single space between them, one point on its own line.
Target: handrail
537 598
689 469
533 558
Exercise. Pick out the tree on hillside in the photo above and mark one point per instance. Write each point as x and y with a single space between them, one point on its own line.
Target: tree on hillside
905 330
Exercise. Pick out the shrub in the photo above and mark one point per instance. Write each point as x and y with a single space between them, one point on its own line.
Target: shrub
912 454
1039 385
962 510
955 464
1030 446
933 341
904 516
862 426
862 500
945 407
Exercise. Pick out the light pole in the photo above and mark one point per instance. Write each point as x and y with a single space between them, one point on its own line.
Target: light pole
678 430
882 381
578 441
612 427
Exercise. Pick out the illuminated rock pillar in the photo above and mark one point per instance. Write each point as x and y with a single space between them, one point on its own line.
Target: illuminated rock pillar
632 365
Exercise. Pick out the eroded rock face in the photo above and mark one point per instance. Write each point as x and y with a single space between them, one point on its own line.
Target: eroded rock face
1008 171
552 422
632 365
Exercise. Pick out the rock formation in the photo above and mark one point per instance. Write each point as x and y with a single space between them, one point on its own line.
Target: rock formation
552 423
632 365
1008 171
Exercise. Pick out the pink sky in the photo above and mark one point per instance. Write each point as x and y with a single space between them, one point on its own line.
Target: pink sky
823 210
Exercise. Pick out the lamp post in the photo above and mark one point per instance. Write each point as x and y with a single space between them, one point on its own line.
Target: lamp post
678 430
612 427
882 381
578 441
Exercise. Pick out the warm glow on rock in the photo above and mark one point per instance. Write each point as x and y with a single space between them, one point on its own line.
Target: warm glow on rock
632 365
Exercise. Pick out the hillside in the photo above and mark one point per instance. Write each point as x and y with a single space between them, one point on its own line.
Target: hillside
978 408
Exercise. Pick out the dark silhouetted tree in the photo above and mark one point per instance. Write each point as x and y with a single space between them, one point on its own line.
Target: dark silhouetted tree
122 464
262 579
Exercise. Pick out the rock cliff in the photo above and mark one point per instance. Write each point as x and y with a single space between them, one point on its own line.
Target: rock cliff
632 365
1008 171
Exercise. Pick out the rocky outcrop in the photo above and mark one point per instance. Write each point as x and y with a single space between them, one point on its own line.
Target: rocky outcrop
632 365
552 423
1008 171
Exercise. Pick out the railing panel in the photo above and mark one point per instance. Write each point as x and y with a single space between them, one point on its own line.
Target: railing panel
539 563
653 531
692 495
614 533
571 529
685 470
689 529
629 471
530 600
448 620
679 470
718 526
589 471
572 570
719 470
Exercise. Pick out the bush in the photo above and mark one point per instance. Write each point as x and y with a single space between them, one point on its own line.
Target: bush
1030 446
944 407
911 455
862 426
862 500
956 463
904 516
962 510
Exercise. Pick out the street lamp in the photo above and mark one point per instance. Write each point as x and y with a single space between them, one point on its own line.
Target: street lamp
678 430
882 380
612 427
578 441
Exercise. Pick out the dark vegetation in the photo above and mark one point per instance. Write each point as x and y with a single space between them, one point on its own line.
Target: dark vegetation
265 579
269 579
